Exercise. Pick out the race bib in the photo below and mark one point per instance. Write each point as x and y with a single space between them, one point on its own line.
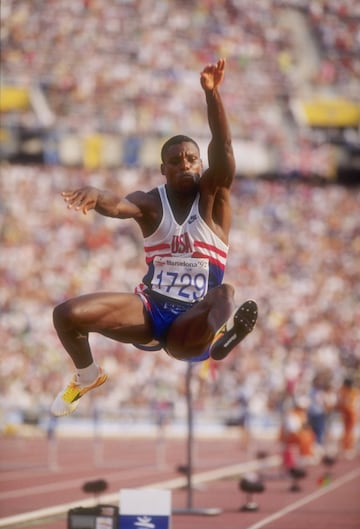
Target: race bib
182 278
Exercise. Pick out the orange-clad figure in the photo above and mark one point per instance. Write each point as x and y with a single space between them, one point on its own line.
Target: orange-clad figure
348 406
297 435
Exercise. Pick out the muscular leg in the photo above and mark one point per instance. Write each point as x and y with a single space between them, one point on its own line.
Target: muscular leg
192 332
116 315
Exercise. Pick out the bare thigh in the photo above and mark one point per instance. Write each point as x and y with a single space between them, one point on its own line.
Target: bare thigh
119 316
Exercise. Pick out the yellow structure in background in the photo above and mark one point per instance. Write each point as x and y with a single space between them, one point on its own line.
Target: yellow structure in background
14 98
328 112
92 151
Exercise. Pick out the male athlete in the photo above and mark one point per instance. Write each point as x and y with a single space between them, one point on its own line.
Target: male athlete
181 304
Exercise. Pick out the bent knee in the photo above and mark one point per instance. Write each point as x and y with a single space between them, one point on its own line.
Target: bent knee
227 290
224 292
64 314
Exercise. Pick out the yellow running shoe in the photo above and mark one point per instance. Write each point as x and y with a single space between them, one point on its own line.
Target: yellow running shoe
68 399
241 322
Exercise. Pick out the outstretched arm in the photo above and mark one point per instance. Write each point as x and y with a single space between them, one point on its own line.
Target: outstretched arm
104 202
220 153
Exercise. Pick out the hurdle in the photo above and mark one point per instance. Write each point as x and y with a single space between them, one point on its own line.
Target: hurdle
47 458
157 431
190 509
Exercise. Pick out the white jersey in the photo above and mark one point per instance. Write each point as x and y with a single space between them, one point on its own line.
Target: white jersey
184 260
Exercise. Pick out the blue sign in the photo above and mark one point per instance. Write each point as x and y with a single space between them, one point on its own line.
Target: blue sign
143 521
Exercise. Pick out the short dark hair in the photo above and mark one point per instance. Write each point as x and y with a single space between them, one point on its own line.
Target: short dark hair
174 140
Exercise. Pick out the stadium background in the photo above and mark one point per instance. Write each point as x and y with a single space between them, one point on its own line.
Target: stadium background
89 90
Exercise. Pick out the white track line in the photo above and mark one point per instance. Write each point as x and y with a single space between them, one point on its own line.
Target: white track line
307 499
201 477
61 485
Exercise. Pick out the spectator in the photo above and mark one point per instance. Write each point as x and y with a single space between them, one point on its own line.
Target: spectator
348 405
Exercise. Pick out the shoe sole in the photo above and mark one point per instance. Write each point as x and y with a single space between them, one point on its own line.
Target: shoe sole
244 321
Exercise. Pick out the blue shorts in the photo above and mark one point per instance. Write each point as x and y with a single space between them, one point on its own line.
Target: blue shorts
162 312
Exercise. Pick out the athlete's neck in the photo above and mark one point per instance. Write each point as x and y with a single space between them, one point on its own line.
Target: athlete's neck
180 202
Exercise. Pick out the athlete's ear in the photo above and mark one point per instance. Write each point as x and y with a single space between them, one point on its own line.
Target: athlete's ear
162 169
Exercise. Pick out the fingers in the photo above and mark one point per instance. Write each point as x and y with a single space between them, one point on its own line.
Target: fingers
78 200
219 66
71 198
68 196
212 75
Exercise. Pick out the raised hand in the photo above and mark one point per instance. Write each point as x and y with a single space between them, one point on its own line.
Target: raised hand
212 75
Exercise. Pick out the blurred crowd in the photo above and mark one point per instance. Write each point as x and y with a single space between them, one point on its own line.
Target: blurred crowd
336 25
128 66
295 248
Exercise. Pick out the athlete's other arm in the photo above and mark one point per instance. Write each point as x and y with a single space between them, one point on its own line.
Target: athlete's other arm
217 179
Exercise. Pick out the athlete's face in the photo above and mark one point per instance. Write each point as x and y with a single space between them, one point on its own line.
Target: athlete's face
182 166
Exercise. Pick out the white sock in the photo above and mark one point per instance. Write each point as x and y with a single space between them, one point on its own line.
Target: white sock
88 374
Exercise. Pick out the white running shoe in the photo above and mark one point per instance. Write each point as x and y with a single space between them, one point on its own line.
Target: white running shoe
68 399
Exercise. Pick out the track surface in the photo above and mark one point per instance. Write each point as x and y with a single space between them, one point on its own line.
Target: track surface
39 475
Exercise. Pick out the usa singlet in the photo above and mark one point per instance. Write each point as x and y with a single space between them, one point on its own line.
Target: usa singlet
184 260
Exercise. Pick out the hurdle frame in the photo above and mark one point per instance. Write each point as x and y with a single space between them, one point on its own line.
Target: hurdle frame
190 509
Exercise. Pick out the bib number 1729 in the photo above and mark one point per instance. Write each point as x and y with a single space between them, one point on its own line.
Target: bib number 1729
185 280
